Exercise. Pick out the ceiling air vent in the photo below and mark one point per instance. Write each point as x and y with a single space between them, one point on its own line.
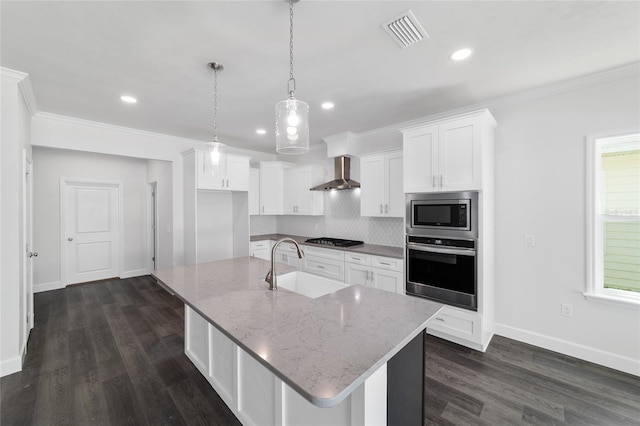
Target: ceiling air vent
405 29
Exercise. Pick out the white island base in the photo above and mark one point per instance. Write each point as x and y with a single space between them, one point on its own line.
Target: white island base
257 397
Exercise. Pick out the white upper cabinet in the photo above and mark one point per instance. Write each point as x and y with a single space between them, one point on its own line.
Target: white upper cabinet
236 178
381 178
448 155
254 191
298 199
271 187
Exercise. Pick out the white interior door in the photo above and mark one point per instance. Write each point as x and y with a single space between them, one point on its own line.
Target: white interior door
92 237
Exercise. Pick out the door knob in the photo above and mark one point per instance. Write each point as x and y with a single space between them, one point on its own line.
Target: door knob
70 239
33 254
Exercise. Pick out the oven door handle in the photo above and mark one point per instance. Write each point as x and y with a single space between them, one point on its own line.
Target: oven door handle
461 252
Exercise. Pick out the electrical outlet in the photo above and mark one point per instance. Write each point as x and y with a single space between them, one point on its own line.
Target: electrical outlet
529 240
566 310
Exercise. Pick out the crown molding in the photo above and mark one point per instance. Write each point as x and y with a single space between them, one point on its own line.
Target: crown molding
589 80
24 84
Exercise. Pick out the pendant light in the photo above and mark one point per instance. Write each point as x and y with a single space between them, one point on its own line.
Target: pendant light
292 115
215 159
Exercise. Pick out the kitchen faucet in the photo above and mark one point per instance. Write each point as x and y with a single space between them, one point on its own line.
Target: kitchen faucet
271 275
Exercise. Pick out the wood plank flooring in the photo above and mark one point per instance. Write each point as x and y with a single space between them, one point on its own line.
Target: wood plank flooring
112 353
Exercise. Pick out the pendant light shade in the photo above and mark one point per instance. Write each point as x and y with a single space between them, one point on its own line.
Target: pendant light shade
292 127
215 156
292 115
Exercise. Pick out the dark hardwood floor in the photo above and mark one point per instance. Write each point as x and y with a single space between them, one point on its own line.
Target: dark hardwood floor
112 353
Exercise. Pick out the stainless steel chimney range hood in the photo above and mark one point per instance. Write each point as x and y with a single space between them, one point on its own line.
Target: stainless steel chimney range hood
342 177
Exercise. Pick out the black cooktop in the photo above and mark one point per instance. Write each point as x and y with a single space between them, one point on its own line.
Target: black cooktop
335 242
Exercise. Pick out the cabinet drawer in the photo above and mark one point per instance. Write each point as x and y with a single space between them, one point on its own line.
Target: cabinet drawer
458 323
329 268
360 259
324 253
260 245
390 263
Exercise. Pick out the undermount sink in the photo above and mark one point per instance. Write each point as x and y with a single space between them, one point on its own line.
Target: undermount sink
308 285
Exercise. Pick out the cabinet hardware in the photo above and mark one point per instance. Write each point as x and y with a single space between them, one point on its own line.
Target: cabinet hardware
385 263
440 319
320 267
262 209
440 181
222 183
33 254
380 208
386 208
356 258
433 181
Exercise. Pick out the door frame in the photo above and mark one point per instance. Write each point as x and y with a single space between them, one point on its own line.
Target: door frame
152 220
27 238
65 183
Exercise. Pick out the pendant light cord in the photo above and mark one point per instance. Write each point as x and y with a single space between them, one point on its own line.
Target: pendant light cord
291 84
215 104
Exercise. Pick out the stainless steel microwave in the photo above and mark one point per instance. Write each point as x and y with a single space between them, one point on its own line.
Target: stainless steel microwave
442 214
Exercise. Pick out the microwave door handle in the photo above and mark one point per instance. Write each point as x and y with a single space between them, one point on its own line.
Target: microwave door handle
460 252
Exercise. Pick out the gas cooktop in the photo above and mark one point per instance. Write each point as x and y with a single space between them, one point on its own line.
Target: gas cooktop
334 242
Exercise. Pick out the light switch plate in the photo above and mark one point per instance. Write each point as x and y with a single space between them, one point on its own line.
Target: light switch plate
529 240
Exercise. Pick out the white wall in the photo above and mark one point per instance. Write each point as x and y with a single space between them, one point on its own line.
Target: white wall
540 189
161 172
15 139
50 165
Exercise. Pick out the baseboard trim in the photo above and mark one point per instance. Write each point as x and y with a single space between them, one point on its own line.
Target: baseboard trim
53 285
10 366
586 353
134 273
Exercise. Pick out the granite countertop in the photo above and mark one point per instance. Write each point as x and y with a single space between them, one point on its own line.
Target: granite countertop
374 249
323 348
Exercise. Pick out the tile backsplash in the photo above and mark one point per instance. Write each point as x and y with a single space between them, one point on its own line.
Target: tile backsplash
341 220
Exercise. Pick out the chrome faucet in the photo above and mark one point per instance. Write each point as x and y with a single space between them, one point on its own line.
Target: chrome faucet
271 275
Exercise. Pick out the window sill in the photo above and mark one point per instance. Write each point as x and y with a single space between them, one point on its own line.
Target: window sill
608 299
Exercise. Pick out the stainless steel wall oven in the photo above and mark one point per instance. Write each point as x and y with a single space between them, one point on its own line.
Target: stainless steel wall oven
441 249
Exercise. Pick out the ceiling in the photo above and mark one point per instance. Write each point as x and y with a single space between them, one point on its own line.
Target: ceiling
83 55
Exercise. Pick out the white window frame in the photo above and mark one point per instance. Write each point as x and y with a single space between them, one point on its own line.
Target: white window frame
595 257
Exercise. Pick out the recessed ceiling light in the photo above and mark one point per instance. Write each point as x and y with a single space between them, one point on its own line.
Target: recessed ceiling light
128 99
261 131
327 105
461 54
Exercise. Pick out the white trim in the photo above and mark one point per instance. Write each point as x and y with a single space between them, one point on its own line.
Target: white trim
10 366
153 235
630 301
53 285
64 183
608 359
133 273
24 85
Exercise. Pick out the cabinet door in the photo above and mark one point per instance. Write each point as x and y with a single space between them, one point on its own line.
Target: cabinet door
254 192
205 179
373 187
387 280
290 194
356 274
459 155
394 205
237 178
270 190
304 201
420 152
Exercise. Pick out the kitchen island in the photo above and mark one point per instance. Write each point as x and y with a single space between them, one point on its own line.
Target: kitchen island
277 357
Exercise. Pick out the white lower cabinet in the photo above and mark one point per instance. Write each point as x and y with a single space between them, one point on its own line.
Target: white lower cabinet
458 325
256 396
384 273
261 249
324 262
288 254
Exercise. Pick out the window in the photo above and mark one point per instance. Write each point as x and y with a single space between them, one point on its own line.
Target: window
613 219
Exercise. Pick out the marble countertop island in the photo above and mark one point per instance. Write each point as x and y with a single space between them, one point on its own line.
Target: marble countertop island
323 348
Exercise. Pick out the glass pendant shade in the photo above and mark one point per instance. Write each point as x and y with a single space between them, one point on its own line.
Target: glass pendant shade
215 158
292 127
